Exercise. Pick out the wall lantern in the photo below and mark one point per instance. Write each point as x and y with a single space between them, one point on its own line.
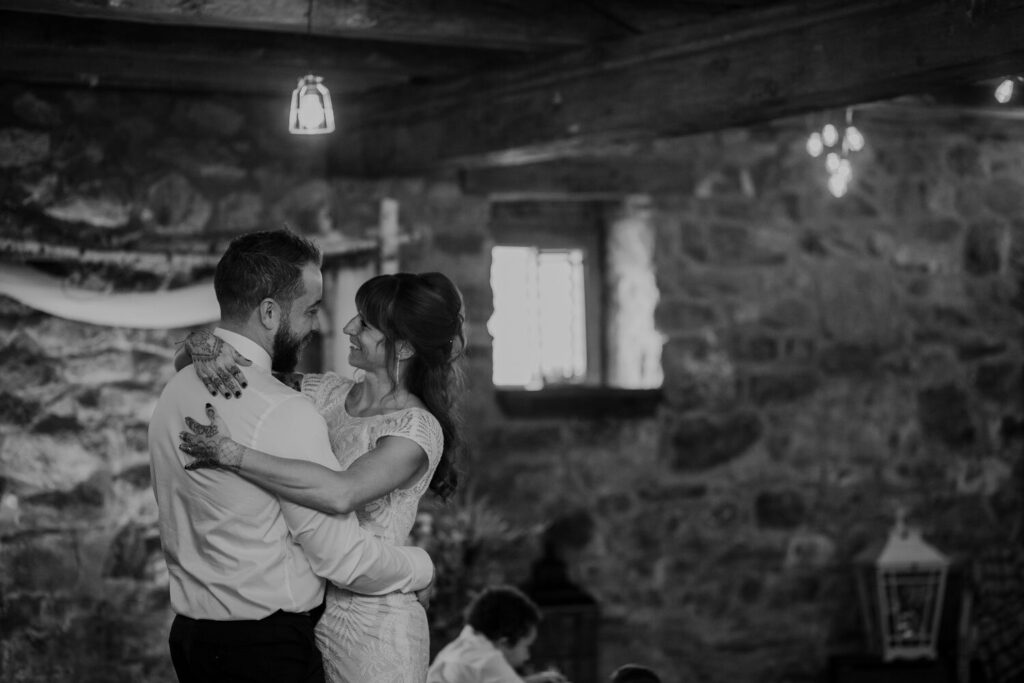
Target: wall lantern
901 588
311 112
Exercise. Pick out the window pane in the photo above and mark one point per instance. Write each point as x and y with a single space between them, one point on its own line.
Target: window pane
563 343
539 326
513 327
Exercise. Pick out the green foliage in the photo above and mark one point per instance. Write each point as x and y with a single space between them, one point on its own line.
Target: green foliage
473 546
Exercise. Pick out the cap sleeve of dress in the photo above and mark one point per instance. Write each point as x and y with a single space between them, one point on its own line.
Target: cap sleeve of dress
326 389
418 425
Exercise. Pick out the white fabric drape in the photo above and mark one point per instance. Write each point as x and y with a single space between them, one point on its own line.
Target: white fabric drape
167 309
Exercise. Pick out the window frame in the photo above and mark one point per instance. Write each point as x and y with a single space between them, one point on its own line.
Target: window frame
589 238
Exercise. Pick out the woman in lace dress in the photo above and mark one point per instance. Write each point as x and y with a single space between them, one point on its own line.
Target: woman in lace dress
395 433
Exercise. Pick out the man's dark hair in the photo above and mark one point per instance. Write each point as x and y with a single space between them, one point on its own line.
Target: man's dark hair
503 612
634 673
261 265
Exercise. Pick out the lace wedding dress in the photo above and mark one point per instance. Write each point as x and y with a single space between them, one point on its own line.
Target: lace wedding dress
367 639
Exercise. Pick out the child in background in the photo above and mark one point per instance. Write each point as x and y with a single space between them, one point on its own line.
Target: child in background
501 624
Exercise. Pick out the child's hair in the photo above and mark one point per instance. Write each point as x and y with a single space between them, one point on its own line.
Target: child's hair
503 612
634 673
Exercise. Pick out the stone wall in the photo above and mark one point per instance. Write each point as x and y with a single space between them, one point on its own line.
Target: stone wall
825 361
83 590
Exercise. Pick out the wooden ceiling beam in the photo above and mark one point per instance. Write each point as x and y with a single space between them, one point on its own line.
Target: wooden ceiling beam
65 50
526 25
742 69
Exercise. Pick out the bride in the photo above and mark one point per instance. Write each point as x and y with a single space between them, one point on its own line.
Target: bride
394 431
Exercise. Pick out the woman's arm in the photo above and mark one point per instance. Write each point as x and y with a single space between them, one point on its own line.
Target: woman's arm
394 463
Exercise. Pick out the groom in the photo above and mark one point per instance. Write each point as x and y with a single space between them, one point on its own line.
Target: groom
247 569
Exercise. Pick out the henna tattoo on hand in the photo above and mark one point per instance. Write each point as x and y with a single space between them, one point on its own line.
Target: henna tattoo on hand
203 345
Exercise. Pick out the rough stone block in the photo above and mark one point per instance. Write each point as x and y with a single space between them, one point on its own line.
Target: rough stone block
772 387
702 442
944 413
987 247
784 509
849 359
20 147
40 562
240 212
683 316
461 243
998 380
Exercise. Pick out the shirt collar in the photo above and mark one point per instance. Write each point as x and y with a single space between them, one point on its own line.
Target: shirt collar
471 633
247 347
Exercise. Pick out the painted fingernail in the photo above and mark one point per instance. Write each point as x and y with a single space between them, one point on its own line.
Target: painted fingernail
209 405
245 384
213 393
238 394
227 395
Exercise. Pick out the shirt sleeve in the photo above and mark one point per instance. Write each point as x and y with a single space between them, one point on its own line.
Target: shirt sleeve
496 669
326 389
337 549
419 426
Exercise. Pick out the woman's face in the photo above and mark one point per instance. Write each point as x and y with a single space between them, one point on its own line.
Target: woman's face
367 349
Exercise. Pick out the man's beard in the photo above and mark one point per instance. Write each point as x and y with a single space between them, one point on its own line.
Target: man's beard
287 348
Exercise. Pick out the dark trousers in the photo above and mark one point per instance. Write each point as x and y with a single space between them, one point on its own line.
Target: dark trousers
278 649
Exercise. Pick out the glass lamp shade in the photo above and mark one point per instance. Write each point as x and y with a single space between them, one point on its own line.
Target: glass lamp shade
901 589
311 112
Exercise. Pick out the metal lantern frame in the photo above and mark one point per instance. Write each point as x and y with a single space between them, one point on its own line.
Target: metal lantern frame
311 88
902 589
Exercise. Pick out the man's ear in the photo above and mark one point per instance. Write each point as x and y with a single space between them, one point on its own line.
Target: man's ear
269 312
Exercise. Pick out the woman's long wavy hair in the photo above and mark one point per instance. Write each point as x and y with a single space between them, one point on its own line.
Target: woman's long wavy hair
425 311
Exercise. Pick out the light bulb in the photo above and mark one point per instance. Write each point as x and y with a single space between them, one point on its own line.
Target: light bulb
832 162
837 185
829 135
1004 93
854 139
311 111
814 145
845 170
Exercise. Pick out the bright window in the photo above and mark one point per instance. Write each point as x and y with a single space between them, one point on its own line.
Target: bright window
574 296
539 325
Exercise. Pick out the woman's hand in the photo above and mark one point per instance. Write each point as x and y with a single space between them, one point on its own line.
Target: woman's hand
211 444
216 363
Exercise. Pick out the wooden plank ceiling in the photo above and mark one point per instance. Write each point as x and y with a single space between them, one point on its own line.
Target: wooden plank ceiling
505 81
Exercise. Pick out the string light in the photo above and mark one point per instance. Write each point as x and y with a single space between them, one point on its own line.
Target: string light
1007 89
838 146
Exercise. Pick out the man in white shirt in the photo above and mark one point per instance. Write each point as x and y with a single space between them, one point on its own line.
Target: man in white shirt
501 625
247 569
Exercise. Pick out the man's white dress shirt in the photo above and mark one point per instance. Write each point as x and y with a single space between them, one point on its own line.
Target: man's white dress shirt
235 551
471 658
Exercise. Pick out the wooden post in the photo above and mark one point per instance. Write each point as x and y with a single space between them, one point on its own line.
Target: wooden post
388 235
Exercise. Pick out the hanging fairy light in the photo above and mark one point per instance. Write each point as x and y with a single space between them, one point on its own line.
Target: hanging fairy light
1007 88
836 145
311 112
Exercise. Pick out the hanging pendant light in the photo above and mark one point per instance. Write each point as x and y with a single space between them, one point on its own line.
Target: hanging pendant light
311 111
